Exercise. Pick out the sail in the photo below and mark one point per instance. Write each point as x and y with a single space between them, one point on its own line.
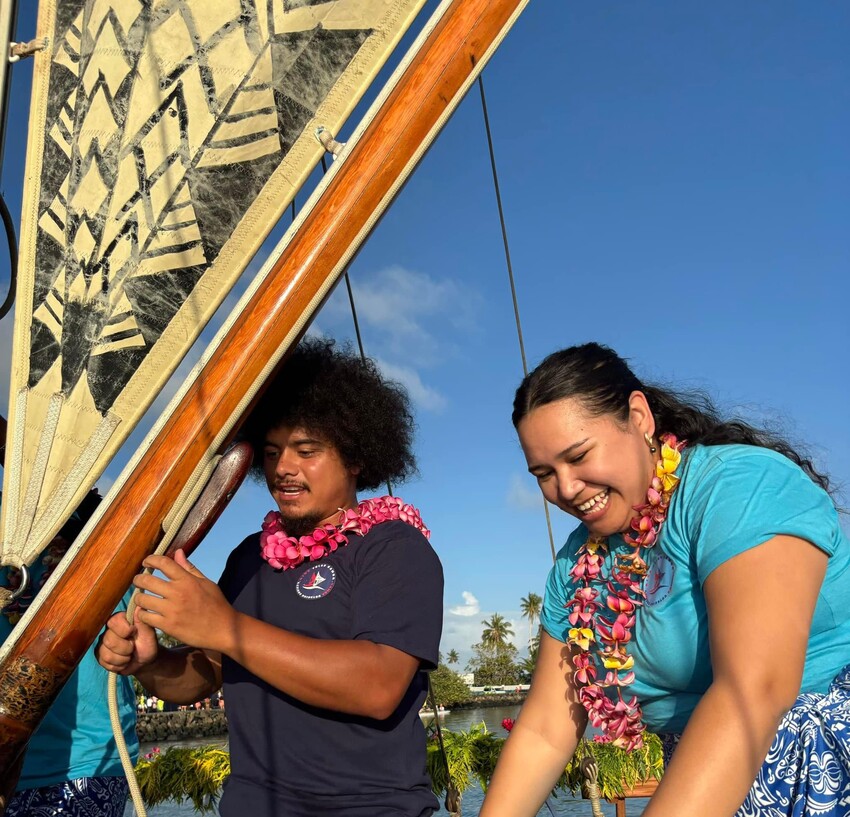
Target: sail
166 138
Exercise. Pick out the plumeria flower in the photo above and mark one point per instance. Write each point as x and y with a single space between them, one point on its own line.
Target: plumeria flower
581 636
585 672
508 724
618 660
620 602
283 552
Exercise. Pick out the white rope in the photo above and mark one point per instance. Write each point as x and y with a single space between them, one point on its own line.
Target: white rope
121 744
68 490
42 456
13 474
172 523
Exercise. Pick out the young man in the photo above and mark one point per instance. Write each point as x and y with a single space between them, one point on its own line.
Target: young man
320 625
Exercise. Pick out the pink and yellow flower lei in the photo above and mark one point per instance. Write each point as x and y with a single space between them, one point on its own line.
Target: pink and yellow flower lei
282 551
620 720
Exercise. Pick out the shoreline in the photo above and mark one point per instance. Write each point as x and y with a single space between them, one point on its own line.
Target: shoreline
153 727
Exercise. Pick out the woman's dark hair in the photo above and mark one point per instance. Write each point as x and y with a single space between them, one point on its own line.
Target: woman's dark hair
344 399
603 382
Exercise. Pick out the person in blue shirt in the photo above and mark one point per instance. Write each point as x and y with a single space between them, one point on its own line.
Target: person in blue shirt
705 596
72 766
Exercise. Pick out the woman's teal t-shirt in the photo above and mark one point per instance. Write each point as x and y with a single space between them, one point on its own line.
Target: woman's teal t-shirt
731 498
75 738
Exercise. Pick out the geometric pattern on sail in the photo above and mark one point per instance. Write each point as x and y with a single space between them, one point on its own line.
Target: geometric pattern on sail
166 140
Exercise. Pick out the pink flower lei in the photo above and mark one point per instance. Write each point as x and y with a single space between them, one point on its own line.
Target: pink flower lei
620 720
283 552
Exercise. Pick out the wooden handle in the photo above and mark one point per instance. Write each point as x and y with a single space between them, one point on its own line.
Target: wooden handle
229 474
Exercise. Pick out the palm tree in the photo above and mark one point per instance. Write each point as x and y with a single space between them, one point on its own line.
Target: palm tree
496 633
531 607
453 657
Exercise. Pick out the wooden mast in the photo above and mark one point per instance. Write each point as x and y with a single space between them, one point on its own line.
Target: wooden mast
68 621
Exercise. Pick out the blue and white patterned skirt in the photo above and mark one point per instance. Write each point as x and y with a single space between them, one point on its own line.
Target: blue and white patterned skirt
807 770
83 797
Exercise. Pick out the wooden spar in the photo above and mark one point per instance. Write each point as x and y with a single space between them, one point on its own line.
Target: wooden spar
67 622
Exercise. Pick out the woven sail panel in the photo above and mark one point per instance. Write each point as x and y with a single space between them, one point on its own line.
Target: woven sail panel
166 138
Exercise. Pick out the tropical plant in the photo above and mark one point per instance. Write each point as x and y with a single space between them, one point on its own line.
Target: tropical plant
449 688
453 657
494 668
531 607
496 635
182 774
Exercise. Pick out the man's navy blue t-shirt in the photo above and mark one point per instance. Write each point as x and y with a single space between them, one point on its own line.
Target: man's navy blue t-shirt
293 760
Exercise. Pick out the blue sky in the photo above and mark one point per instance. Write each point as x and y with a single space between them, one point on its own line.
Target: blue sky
676 184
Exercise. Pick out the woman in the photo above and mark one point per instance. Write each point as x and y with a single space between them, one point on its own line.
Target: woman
706 588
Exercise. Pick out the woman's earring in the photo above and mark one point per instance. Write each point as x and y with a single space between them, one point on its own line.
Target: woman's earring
652 448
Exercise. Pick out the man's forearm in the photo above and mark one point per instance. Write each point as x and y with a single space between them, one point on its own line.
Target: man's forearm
358 677
182 675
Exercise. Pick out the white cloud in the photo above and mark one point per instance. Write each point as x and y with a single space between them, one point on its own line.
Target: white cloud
406 311
424 396
470 606
521 496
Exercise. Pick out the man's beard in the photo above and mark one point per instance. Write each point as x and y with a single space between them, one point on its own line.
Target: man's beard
300 525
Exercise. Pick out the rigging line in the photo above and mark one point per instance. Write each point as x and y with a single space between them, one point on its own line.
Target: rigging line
354 316
11 237
351 300
504 227
510 273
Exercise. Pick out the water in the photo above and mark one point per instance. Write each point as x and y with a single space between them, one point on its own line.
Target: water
564 806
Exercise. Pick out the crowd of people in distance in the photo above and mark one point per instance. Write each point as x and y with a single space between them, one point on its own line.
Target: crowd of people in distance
150 703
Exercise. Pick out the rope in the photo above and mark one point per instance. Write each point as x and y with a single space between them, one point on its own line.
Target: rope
19 51
510 272
588 764
121 745
11 238
590 770
172 523
453 796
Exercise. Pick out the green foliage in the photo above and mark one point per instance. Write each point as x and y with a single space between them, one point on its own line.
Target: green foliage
471 756
453 657
449 689
197 775
183 774
618 770
497 631
493 668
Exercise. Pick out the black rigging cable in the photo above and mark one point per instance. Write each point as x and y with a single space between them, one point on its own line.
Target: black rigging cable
510 273
12 240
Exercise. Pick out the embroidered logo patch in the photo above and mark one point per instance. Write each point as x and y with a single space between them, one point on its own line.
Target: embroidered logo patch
316 582
659 580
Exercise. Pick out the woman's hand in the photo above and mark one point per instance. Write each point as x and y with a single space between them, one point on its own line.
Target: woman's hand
542 740
184 604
